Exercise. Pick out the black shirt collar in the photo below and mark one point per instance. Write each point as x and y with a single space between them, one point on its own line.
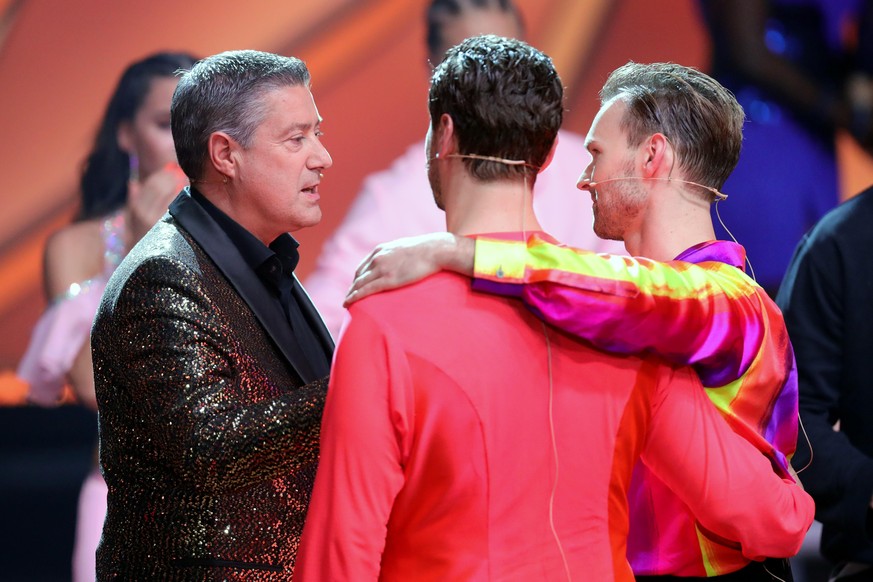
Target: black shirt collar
273 263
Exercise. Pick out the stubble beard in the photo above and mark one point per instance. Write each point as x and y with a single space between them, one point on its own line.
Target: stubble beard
622 205
433 178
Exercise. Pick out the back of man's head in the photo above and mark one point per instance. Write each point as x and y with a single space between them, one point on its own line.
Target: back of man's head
223 93
505 100
700 118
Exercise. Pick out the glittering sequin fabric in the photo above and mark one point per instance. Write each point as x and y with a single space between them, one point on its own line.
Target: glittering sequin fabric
208 440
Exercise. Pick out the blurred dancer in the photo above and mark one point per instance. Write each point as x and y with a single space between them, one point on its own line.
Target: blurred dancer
129 180
801 69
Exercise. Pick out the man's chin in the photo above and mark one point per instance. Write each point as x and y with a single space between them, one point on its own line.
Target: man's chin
312 219
315 219
606 234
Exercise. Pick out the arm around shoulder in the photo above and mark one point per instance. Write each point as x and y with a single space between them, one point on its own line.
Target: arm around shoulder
407 260
709 315
729 486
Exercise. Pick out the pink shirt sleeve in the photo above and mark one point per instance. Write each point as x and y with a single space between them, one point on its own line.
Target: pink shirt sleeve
57 338
726 483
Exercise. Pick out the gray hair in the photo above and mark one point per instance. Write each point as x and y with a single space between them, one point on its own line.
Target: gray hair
224 93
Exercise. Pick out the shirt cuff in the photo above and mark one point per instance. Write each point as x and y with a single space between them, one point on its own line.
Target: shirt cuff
500 261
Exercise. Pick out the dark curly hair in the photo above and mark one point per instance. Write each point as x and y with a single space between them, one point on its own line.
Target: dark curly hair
505 100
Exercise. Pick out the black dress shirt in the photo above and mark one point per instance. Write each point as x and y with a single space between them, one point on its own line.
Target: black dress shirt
274 266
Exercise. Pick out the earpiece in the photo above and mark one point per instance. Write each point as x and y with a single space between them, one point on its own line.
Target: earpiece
592 185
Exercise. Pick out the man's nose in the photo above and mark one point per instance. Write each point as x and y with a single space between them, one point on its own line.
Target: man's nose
584 182
323 157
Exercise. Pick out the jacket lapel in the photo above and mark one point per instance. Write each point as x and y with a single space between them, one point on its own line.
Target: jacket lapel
313 316
218 246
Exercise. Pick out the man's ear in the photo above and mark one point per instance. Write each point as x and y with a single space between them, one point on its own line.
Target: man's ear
222 153
551 155
657 156
445 139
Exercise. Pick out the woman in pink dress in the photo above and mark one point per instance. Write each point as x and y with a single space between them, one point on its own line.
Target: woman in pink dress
130 177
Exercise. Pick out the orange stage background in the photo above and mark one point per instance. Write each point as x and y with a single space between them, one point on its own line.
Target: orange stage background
60 60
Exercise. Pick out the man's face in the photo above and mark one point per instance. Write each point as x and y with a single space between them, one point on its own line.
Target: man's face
617 205
148 134
276 187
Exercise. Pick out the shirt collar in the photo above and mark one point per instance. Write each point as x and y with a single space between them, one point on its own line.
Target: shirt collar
270 263
722 251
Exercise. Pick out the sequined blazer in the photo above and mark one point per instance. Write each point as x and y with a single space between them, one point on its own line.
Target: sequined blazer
209 417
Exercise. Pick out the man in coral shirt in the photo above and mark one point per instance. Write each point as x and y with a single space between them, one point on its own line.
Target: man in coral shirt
663 142
464 440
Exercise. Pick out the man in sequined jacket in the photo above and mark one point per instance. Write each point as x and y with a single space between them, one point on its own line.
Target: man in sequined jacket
210 361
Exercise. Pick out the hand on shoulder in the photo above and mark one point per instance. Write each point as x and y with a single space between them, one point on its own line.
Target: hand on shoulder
407 260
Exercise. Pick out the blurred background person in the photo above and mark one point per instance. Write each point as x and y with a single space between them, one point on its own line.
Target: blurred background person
801 70
826 301
395 203
129 178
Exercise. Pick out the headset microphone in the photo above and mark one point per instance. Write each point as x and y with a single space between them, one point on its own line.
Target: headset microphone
714 191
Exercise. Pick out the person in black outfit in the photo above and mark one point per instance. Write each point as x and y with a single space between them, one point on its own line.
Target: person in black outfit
827 299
